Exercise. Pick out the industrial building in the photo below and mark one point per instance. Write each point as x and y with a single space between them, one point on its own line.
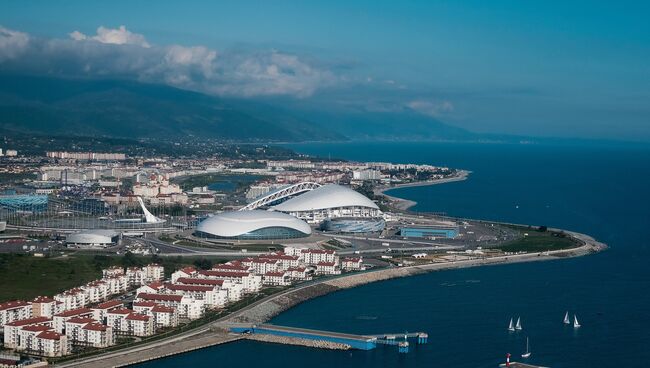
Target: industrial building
252 225
93 239
429 231
353 225
329 202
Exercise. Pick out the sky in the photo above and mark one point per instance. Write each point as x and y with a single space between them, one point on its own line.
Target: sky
551 68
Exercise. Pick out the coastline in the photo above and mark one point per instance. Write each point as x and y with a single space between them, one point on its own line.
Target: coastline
404 204
215 333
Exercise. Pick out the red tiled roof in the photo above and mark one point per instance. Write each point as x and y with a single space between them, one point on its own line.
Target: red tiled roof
50 335
109 304
188 270
144 304
13 304
95 327
177 287
138 317
121 311
162 309
155 285
80 320
28 321
194 281
74 312
36 328
164 297
223 274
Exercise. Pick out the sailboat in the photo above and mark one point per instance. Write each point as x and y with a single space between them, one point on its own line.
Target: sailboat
511 326
518 325
567 320
527 353
575 322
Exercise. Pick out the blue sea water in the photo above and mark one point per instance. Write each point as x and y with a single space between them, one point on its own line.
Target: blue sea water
602 190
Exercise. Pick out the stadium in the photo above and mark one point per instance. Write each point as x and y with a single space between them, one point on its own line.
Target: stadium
252 225
331 202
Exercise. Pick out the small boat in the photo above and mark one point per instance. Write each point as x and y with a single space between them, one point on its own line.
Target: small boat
511 326
527 353
567 320
575 322
518 325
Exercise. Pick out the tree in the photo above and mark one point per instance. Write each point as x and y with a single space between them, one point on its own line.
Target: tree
542 229
203 263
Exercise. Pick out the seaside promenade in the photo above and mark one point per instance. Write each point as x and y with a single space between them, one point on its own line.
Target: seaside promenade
216 333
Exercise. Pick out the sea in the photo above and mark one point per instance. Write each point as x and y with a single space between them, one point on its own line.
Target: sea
600 189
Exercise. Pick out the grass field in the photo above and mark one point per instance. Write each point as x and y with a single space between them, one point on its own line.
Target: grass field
25 277
538 241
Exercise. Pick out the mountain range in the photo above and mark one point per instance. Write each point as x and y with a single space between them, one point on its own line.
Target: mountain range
122 108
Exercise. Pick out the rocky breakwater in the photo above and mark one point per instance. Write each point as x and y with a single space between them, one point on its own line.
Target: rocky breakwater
298 341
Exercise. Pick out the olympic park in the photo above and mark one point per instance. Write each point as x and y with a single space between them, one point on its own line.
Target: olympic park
290 212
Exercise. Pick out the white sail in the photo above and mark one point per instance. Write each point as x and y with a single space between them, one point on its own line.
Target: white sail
518 326
567 320
576 324
511 326
148 216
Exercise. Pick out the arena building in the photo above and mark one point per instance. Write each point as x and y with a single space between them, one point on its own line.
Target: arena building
93 239
331 202
252 225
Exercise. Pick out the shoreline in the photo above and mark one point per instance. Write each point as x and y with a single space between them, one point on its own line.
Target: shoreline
404 204
215 333
268 309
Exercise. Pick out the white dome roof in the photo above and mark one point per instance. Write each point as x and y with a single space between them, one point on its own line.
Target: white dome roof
328 196
236 223
92 237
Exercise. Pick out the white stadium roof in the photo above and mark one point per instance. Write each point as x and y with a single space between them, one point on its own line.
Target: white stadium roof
233 224
94 236
328 196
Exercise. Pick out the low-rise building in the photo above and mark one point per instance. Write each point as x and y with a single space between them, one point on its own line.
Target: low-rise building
278 278
44 306
352 264
327 268
61 318
14 310
100 312
11 329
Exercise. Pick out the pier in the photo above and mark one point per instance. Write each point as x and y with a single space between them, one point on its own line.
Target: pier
342 340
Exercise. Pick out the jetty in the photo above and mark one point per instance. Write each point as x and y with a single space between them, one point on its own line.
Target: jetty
332 340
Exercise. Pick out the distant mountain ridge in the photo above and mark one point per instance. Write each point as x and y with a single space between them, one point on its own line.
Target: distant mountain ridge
118 108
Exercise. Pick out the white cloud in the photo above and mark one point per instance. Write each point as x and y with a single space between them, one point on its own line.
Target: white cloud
121 53
432 108
12 43
115 36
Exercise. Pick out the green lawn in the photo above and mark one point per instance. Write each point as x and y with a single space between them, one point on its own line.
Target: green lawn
537 241
25 277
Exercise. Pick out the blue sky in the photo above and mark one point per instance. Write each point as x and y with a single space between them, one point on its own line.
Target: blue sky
552 68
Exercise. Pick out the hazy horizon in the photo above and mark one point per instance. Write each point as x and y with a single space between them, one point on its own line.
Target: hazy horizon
553 69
